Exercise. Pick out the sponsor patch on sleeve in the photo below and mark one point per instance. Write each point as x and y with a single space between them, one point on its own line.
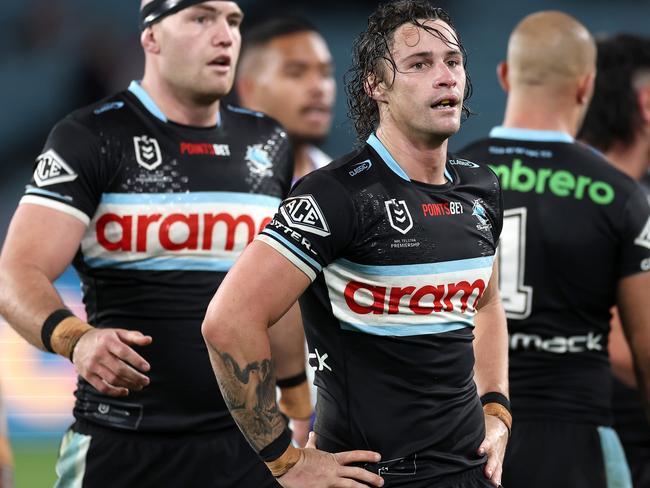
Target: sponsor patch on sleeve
302 212
644 237
51 169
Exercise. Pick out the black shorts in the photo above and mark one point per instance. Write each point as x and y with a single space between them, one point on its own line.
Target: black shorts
96 457
638 457
563 455
398 478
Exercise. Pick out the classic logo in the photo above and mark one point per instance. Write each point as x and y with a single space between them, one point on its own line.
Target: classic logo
399 216
643 239
52 169
478 211
258 161
147 152
463 162
304 213
108 106
360 167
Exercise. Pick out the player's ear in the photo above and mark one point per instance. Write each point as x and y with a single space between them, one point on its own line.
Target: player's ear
149 40
586 88
375 88
502 76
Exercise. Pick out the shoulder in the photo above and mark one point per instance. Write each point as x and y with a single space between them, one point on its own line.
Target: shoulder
249 118
347 172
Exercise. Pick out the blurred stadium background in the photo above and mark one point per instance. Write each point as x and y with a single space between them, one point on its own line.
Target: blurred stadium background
57 55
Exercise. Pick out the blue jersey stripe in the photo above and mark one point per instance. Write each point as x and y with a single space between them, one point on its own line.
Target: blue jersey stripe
146 100
376 144
313 263
192 197
417 269
163 264
405 330
520 134
32 190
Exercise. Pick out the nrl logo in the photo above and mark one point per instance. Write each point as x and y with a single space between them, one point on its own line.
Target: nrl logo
258 161
399 216
304 213
147 152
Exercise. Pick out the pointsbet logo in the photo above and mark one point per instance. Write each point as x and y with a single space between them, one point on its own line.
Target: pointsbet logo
561 183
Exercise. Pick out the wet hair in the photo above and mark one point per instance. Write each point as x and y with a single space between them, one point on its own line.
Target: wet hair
260 34
372 52
613 115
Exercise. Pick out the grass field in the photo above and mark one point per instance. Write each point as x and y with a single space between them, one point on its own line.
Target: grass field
34 463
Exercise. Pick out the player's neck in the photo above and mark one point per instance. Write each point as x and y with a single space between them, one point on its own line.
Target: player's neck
634 160
526 111
180 107
421 160
303 163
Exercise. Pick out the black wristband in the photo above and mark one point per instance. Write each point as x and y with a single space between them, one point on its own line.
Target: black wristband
496 397
276 448
54 319
299 379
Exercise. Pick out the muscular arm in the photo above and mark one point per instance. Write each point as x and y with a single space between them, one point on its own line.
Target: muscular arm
491 340
247 303
633 292
40 244
491 371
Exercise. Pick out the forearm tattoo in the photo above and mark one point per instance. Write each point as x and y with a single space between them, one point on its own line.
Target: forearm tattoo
249 394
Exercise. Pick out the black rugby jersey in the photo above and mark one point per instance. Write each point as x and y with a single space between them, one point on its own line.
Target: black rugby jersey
389 319
573 226
168 210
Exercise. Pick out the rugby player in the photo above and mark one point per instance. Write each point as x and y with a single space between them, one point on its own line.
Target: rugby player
393 246
574 243
618 124
152 194
286 71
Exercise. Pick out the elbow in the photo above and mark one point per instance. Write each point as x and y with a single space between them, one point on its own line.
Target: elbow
216 330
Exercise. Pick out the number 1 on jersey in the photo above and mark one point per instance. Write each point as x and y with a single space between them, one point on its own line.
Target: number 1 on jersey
517 297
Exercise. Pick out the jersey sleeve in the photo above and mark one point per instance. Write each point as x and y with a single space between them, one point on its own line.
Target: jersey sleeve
66 174
313 225
635 239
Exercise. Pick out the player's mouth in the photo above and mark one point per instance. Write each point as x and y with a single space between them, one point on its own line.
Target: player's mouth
317 112
221 63
443 103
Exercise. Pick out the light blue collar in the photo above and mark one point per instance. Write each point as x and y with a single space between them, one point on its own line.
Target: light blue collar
136 88
378 146
520 134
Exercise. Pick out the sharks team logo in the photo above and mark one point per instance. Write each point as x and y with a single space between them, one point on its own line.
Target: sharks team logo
258 161
147 152
399 216
478 211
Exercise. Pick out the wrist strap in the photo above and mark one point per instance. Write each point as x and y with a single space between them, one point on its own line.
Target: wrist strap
293 380
67 334
51 322
295 398
285 462
499 411
276 448
496 397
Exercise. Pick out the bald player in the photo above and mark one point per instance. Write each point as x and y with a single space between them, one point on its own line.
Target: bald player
575 241
618 124
286 71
